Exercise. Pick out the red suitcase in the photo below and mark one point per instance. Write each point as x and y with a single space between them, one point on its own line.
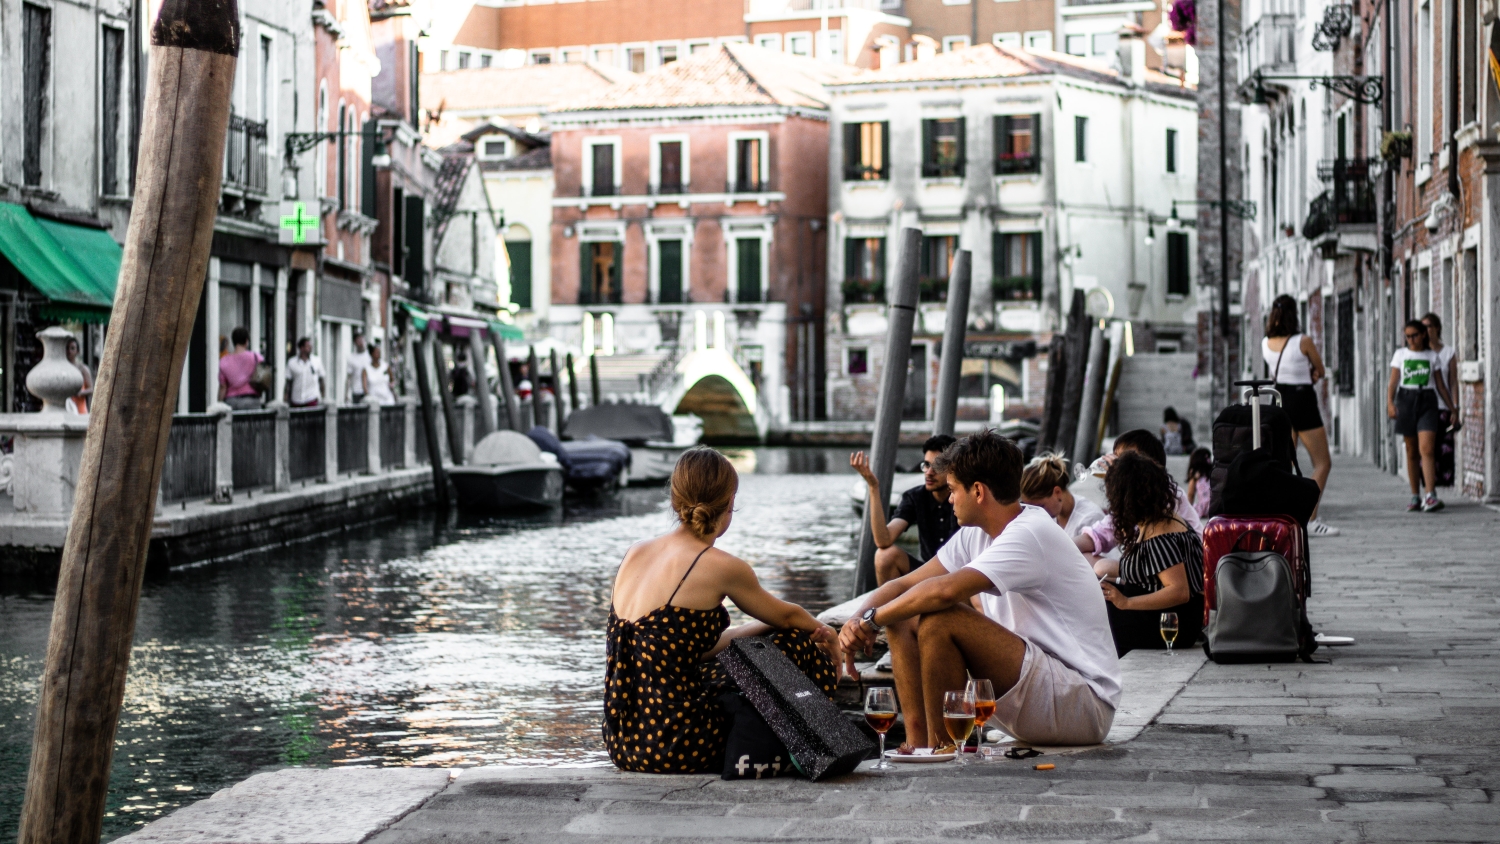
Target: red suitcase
1227 534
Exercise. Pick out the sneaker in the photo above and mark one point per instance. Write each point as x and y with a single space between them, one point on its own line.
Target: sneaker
1317 527
1415 505
1432 504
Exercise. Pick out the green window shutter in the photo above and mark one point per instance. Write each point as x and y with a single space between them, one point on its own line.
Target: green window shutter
520 272
415 266
1036 266
585 273
879 259
1002 139
615 272
1177 264
963 143
851 257
367 171
929 153
885 150
749 269
997 256
852 168
669 281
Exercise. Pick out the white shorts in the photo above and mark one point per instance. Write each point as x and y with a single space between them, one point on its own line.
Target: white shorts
1052 705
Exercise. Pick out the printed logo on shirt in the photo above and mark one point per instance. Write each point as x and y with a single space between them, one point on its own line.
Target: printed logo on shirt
1416 372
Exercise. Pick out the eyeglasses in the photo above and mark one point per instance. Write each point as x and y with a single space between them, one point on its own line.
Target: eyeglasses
925 465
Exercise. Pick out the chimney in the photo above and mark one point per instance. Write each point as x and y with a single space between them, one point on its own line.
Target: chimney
1132 56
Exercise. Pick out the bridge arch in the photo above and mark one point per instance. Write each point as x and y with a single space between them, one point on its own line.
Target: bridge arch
711 385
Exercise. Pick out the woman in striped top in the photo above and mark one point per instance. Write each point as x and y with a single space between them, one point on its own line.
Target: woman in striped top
1161 559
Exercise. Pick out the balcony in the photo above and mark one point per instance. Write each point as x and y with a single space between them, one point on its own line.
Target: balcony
607 189
751 186
863 173
667 189
1007 163
245 156
1349 200
1269 45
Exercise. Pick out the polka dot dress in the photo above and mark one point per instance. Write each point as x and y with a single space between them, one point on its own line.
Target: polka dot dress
661 713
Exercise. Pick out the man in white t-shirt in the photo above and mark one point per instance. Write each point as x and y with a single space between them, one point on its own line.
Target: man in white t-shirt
304 377
1043 638
359 358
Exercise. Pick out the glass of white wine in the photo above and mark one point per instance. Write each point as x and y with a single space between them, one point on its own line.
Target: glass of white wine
958 719
880 714
1169 630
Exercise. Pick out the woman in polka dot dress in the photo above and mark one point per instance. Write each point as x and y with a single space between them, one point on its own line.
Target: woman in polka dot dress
667 621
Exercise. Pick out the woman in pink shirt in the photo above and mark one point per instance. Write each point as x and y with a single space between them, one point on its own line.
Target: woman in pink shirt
235 371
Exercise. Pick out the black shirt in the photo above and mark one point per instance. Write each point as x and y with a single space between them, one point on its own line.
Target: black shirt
934 519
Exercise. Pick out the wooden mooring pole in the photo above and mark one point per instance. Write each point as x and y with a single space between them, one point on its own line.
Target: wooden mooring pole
194 47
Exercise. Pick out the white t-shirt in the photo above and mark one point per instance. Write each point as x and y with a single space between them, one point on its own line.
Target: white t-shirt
380 383
303 376
1445 357
1085 513
1416 368
1044 591
357 362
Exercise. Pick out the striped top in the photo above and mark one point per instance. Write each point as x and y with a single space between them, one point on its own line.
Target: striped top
1142 565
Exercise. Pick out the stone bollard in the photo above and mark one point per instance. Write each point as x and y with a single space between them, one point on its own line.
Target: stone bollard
330 442
283 451
372 438
53 379
47 450
467 407
224 457
409 451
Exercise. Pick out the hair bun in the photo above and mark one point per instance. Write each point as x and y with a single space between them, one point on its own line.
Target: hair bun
703 488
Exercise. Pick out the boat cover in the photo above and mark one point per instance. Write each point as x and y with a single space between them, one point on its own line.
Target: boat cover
589 462
505 448
632 424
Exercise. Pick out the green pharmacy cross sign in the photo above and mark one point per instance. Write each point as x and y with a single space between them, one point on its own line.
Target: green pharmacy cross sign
300 223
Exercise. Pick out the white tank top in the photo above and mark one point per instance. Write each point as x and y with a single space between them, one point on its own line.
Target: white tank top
1295 367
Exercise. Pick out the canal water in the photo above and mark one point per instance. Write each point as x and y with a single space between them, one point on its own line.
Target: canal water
426 641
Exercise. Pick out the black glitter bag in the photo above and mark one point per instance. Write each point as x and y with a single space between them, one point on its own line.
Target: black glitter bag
820 739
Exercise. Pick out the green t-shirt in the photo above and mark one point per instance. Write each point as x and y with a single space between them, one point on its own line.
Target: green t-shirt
1415 368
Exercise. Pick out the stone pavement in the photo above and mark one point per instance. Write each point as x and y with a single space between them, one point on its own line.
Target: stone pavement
1394 739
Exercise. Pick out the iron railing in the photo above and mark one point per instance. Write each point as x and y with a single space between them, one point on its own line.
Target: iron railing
354 438
392 436
1349 200
254 448
307 432
188 471
245 155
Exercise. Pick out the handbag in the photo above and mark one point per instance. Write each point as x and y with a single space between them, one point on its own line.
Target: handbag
261 378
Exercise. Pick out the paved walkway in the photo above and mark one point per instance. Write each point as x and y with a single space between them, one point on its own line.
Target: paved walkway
1392 740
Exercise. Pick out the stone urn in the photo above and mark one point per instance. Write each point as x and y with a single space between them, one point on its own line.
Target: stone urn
54 380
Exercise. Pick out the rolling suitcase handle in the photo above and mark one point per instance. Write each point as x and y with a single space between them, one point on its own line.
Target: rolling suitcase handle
1254 389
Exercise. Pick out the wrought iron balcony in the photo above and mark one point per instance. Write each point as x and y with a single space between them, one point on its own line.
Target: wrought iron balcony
1349 200
245 155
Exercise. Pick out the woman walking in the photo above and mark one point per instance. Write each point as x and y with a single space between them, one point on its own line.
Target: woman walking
667 621
1417 381
1295 365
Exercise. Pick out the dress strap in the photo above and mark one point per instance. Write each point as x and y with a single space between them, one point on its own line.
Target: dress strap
686 573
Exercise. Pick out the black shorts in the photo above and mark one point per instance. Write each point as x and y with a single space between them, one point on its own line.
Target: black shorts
1417 410
1300 401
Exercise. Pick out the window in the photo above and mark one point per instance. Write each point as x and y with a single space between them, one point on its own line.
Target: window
1178 278
747 266
635 59
465 58
442 59
749 175
955 42
1105 43
934 266
699 47
1080 138
601 168
943 147
414 262
1039 40
867 149
1007 39
485 59
669 272
1017 275
520 272
864 269
1470 67
1345 346
1423 125
799 43
1076 45
343 159
113 61
1016 143
857 361
36 23
267 78
601 273
831 45
1171 150
666 54
669 172
494 149
573 56
539 57
604 56
769 42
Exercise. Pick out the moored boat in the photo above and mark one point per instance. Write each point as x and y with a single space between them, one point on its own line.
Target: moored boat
508 472
655 439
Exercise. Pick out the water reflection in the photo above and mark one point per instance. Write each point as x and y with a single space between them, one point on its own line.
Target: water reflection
469 641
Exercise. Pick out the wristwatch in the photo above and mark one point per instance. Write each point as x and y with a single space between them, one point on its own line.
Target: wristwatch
868 617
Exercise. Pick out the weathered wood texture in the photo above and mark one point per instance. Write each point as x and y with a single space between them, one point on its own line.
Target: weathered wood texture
444 387
161 280
429 423
484 390
510 405
945 414
1077 359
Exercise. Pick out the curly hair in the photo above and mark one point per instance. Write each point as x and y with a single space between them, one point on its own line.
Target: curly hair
703 489
1140 492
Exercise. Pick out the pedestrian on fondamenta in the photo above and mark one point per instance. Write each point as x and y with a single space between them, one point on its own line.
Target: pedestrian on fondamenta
304 376
926 506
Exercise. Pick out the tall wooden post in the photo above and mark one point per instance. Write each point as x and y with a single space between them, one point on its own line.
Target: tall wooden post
572 384
562 409
945 415
429 424
195 44
594 400
450 414
507 386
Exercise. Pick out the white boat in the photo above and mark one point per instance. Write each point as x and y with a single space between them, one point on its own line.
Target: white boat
655 439
508 472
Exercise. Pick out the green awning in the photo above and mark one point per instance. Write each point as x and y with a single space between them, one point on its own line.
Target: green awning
509 333
76 267
419 317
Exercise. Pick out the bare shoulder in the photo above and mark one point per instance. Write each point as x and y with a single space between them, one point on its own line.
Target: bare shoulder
1307 345
724 563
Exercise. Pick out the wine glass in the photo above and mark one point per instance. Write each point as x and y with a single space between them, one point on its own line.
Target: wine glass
1169 629
958 719
880 714
982 692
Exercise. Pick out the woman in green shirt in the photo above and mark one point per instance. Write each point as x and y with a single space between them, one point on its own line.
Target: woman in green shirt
1412 400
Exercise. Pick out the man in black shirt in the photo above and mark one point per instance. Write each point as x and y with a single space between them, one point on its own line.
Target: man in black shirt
926 506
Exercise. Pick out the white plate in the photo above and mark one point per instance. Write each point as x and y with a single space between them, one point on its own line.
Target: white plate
923 754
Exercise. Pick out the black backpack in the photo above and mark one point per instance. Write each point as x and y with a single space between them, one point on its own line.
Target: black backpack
1233 436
